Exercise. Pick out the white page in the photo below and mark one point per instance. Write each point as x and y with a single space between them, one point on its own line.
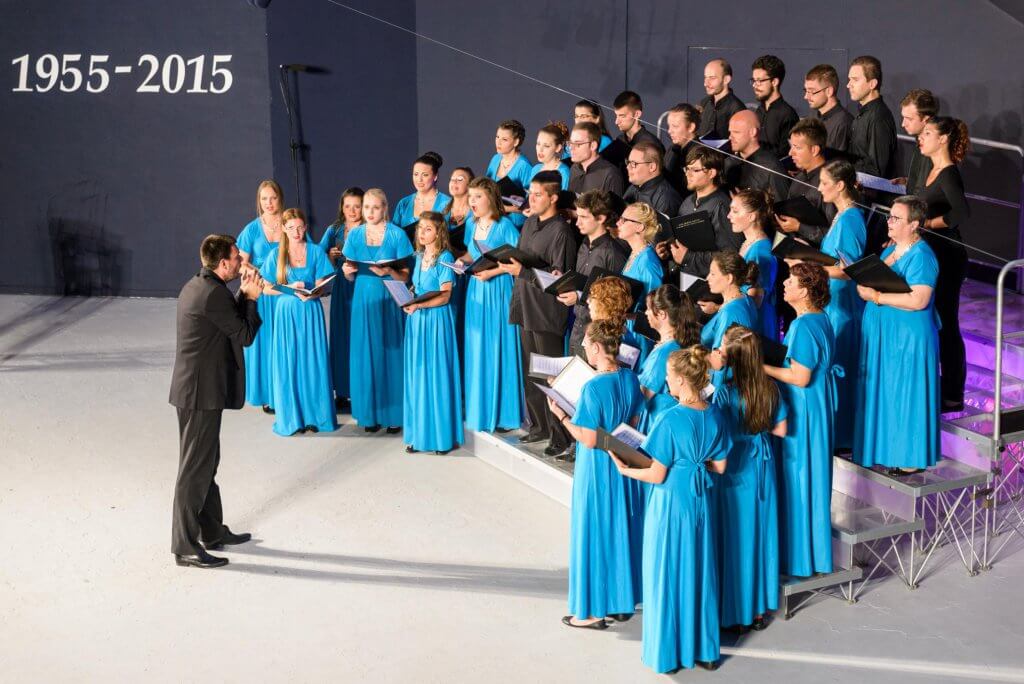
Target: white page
398 291
563 403
570 381
628 355
458 266
689 280
628 435
883 184
545 278
546 366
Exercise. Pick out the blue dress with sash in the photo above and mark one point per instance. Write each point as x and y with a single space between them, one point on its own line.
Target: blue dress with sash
654 376
253 241
760 253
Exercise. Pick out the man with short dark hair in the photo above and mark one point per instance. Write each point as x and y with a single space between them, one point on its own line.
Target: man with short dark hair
917 108
629 110
873 131
775 114
755 172
647 184
208 377
820 87
589 170
718 107
682 123
807 149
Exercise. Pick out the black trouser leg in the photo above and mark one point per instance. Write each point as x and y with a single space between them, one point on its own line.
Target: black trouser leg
197 510
545 344
952 357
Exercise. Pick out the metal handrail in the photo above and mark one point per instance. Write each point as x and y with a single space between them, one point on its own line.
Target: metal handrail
997 411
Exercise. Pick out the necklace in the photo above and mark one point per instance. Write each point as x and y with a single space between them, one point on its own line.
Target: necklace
898 253
420 203
375 235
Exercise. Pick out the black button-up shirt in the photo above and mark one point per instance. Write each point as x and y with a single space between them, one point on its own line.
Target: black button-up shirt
675 165
551 240
604 252
756 176
714 116
813 234
600 175
873 140
776 121
837 123
660 194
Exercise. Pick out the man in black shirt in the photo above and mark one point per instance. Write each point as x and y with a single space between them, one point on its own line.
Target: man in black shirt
873 131
807 149
720 104
629 109
591 171
595 218
917 109
704 171
820 87
774 113
755 171
541 318
647 184
682 124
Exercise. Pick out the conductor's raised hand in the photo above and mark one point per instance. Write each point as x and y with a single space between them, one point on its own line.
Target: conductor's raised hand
252 284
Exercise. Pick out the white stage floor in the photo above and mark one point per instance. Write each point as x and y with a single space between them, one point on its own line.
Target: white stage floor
371 565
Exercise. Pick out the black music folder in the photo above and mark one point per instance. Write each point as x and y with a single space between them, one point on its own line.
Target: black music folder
872 272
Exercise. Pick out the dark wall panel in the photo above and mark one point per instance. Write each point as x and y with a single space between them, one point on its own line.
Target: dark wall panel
111 192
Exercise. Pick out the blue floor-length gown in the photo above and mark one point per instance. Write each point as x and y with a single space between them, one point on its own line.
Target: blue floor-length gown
376 377
680 570
300 365
403 213
521 172
604 547
563 171
845 240
340 315
760 253
493 368
253 241
748 527
646 268
654 377
898 392
805 463
741 310
433 390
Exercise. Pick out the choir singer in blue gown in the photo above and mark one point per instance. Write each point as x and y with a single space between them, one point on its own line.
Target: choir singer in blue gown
426 197
602 581
433 391
805 465
673 316
350 215
749 212
375 356
727 274
493 371
639 226
748 528
300 368
551 141
508 160
899 390
257 238
680 570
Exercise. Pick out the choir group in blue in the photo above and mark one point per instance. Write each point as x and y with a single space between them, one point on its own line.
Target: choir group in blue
737 490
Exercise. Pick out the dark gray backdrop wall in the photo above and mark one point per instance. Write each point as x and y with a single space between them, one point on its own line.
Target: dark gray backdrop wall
111 192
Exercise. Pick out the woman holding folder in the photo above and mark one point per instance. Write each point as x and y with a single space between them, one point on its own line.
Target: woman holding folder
350 215
432 416
603 579
426 197
808 387
680 570
673 316
376 250
727 274
898 393
845 240
493 376
748 526
639 227
300 366
749 212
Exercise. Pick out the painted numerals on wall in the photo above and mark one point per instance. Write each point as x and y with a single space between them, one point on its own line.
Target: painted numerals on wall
172 74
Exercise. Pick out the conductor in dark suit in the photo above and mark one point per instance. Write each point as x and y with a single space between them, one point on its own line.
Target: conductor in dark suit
209 376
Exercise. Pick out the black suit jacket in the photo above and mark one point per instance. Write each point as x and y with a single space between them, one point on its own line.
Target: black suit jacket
213 326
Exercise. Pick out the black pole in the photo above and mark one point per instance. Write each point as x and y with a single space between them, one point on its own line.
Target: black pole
293 145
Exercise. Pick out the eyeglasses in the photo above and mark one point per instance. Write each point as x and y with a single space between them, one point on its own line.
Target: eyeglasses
814 92
577 143
633 164
458 179
755 81
692 169
894 219
623 218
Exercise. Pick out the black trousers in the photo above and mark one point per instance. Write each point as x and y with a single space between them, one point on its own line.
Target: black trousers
197 508
952 260
546 344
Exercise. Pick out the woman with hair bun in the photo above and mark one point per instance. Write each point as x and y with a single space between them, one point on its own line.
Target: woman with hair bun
749 212
509 162
427 197
727 274
945 142
639 227
845 240
808 388
550 145
680 570
674 316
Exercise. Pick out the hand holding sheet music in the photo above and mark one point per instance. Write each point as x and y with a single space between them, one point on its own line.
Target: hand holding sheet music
872 272
296 289
623 444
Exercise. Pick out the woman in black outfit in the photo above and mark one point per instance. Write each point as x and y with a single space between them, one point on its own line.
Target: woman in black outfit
945 142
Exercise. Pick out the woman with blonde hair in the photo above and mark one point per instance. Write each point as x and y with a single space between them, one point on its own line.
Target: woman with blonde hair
300 368
376 250
639 227
257 238
432 417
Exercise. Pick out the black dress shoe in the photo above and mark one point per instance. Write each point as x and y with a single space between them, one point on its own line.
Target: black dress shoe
372 428
200 560
409 449
502 431
621 617
312 428
442 453
340 403
229 538
600 624
554 450
759 624
711 665
532 438
568 457
267 409
393 430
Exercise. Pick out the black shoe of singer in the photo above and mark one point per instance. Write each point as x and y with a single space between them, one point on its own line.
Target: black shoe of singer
228 538
532 438
201 560
555 450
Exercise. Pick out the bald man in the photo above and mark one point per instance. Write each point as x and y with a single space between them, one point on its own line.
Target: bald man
755 171
720 104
